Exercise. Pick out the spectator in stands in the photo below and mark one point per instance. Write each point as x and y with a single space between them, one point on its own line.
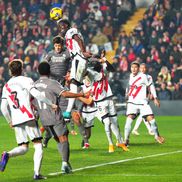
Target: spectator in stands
100 39
164 93
177 93
165 74
177 37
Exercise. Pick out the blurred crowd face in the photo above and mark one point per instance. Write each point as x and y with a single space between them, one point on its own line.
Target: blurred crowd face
58 48
134 69
143 68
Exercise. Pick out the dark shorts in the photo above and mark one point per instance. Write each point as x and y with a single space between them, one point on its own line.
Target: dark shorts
57 130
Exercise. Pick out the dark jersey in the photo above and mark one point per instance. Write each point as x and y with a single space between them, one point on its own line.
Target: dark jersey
59 64
51 89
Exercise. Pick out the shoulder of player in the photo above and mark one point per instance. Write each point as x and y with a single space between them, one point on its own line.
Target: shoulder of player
71 32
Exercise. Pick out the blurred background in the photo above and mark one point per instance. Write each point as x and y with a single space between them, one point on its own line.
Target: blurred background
146 31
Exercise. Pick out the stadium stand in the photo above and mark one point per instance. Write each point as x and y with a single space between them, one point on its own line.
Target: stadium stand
26 32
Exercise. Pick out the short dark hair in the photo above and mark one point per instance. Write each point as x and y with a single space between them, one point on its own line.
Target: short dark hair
65 21
16 67
44 68
136 63
58 40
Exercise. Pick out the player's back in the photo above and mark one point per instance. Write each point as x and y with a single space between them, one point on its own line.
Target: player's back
17 93
71 43
51 89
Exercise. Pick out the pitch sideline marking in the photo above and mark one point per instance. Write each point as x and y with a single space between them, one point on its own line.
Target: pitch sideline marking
120 161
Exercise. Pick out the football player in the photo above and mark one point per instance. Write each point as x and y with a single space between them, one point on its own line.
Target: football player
76 47
16 96
138 102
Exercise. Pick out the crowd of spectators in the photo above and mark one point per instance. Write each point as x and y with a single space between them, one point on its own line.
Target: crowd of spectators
26 32
156 41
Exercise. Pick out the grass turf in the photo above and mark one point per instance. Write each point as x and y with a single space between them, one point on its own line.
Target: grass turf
159 168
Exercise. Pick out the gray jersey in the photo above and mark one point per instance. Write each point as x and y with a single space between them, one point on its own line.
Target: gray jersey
59 64
51 89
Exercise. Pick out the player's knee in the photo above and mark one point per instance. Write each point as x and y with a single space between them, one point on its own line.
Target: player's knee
149 117
76 117
132 116
63 138
24 148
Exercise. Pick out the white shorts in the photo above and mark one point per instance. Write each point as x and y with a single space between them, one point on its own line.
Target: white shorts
88 118
144 110
102 109
78 68
29 129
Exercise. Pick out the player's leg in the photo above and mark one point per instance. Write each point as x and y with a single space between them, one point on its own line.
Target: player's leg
131 113
137 124
47 137
147 113
76 116
88 121
22 140
60 133
77 72
115 126
148 126
35 136
103 115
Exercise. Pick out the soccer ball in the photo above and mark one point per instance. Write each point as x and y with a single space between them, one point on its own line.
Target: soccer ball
56 13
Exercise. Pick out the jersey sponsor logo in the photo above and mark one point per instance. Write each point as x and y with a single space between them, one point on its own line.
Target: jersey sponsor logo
16 104
134 88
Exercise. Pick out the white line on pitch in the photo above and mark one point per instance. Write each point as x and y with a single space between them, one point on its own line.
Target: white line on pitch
120 161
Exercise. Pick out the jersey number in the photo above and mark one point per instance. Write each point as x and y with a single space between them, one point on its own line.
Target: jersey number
42 105
69 44
15 100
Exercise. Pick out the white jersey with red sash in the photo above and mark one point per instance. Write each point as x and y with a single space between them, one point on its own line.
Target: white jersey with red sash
137 93
100 88
71 43
16 91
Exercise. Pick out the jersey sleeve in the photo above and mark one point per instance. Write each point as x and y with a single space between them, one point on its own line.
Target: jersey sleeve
28 84
47 57
57 88
72 32
4 96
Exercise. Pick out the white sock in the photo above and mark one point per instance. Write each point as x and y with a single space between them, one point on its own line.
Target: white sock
127 128
147 124
138 122
154 128
115 129
73 89
38 154
108 130
20 150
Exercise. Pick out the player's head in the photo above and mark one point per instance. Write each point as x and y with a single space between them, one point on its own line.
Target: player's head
44 69
16 67
135 66
143 68
58 43
63 25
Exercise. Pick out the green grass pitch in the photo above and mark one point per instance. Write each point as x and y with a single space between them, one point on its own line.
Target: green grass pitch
166 166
